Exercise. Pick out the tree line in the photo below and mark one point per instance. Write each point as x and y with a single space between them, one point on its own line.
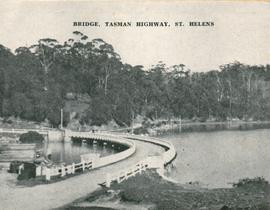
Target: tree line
35 82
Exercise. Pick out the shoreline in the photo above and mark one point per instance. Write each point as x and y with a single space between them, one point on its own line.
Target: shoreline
69 189
168 129
195 193
149 189
248 197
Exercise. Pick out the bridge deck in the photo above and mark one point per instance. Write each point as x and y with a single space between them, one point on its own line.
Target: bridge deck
57 194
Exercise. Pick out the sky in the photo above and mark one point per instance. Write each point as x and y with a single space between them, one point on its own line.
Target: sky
241 30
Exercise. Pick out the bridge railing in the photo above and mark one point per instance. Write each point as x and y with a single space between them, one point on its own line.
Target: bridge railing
65 170
99 136
96 162
109 138
153 162
157 162
170 152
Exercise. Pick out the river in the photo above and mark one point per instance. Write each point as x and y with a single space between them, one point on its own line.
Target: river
211 159
205 159
61 152
69 152
217 159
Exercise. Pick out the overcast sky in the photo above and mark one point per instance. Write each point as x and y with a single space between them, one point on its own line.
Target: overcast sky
241 31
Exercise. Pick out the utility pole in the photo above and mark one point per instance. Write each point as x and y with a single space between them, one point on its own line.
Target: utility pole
132 121
61 125
180 123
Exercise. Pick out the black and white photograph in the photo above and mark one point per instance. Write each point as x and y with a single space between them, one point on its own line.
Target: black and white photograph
134 105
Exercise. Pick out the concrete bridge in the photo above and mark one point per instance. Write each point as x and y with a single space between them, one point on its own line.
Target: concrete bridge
147 153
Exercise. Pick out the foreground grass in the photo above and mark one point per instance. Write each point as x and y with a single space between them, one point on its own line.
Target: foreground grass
247 194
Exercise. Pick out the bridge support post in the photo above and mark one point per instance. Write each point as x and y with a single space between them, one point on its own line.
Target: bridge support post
108 180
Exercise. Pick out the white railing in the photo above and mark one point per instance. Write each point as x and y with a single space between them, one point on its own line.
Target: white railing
94 163
119 138
109 138
170 152
157 162
154 162
65 170
99 136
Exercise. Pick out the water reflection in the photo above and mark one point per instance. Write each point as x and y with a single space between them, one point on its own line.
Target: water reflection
69 152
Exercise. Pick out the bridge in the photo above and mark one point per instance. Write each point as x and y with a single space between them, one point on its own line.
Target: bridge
142 153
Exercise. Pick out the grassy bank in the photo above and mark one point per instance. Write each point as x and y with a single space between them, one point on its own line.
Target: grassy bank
248 194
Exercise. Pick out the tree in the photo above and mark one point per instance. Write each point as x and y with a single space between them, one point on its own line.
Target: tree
46 50
31 137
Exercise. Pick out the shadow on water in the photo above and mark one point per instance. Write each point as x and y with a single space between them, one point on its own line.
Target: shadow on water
70 152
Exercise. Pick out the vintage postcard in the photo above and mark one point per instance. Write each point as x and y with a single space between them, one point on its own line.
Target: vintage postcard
134 105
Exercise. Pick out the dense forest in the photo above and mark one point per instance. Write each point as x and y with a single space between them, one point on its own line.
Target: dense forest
37 81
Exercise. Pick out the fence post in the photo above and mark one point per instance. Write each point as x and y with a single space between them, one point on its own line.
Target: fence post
73 168
140 167
108 180
63 171
21 167
83 165
48 174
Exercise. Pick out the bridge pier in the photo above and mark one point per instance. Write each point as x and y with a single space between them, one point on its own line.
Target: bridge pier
56 135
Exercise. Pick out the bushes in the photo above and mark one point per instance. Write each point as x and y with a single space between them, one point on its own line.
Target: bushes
14 166
31 137
28 171
258 183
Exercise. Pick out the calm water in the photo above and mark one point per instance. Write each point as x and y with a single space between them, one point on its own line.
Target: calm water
217 159
61 152
70 152
214 159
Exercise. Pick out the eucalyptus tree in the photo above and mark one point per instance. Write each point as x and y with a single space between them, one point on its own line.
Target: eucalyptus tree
108 62
6 70
46 50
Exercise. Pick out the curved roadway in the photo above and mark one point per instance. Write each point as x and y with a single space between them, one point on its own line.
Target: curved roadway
48 196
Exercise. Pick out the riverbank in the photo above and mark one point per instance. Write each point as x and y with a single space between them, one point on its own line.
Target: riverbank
163 127
150 191
208 164
177 192
53 195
